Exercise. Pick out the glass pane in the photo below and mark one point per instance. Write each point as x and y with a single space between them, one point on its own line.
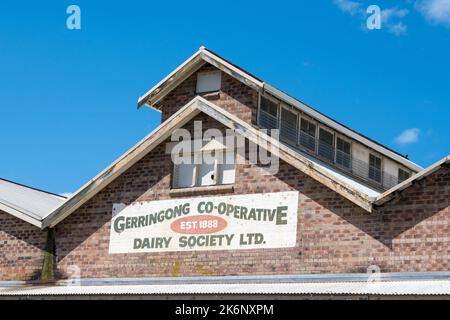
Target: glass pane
268 115
227 169
269 106
206 174
375 161
184 172
326 149
375 168
374 174
403 175
308 135
308 127
288 128
343 156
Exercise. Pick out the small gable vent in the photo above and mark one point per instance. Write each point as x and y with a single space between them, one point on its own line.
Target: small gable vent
208 81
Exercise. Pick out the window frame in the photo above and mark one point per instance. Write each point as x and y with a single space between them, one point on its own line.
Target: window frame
316 124
258 113
325 128
297 123
349 141
405 171
376 155
196 175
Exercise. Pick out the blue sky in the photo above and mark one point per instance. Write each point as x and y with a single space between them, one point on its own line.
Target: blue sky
68 97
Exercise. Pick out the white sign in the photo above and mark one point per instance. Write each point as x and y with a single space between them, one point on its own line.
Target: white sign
252 221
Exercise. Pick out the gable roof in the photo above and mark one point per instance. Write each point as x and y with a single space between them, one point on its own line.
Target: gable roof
26 203
203 56
396 190
313 169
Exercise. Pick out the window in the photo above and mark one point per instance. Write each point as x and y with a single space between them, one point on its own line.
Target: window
268 114
403 175
184 172
375 168
227 169
343 153
205 173
308 134
208 81
289 125
326 148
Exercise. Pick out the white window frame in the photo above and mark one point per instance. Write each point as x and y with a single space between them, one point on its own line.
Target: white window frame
349 141
196 172
278 103
376 154
316 132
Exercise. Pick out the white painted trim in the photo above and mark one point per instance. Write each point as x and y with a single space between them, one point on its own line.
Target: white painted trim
229 66
18 214
182 116
52 221
240 74
382 198
170 75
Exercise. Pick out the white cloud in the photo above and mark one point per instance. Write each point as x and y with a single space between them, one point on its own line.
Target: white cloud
408 136
397 28
350 7
66 194
435 11
389 17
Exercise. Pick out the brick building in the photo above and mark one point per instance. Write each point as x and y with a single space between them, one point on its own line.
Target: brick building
337 203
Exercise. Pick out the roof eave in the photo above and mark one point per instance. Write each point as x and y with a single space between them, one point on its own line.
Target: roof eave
187 68
203 55
20 215
391 193
183 71
181 117
339 127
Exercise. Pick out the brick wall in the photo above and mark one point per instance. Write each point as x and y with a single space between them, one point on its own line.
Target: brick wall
21 249
234 96
334 235
411 233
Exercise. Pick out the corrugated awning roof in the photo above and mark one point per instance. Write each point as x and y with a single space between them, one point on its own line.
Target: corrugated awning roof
419 288
389 283
27 203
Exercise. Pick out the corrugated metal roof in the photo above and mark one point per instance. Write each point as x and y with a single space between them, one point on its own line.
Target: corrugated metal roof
36 204
438 287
